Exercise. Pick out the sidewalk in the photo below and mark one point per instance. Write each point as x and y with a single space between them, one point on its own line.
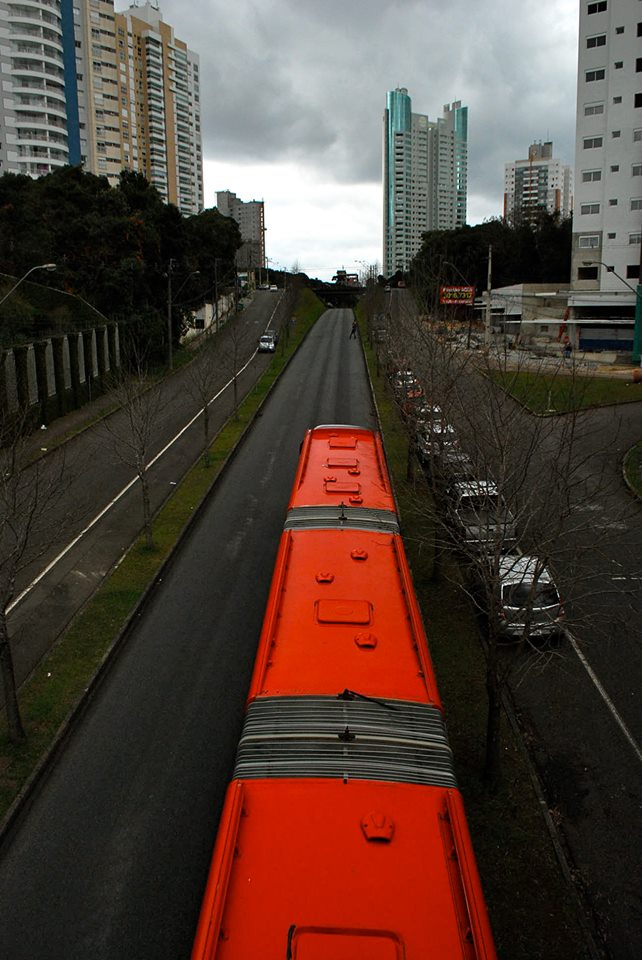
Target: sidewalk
44 439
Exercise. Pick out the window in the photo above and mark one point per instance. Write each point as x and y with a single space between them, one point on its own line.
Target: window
619 29
591 142
591 109
635 238
617 99
598 7
589 241
588 208
637 100
633 271
637 135
587 273
613 203
615 168
636 203
636 170
595 75
618 64
589 176
616 133
610 236
638 64
598 41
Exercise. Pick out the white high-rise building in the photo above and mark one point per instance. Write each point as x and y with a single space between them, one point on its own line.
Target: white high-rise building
33 106
425 169
538 184
607 217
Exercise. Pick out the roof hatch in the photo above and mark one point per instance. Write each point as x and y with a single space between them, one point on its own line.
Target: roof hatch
319 943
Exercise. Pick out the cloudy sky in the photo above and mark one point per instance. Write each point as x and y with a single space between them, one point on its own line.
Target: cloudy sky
293 94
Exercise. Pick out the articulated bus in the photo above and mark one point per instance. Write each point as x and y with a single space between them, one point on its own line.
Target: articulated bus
343 833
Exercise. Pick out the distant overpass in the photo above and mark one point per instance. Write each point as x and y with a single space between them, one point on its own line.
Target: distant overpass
338 294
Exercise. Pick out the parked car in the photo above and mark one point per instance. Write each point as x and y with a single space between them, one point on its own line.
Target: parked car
528 602
435 438
402 380
480 518
267 343
452 466
419 413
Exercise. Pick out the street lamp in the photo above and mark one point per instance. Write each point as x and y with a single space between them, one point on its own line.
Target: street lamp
636 355
40 266
170 269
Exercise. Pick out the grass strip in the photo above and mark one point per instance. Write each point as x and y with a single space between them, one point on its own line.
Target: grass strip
58 684
560 393
531 912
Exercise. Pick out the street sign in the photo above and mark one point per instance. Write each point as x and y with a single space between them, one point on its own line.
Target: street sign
457 295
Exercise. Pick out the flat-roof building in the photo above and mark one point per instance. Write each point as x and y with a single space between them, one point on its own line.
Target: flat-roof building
607 216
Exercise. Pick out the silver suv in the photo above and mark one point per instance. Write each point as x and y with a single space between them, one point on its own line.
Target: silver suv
529 604
480 517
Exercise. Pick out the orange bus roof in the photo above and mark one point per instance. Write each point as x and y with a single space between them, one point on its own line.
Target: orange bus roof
342 464
342 614
316 869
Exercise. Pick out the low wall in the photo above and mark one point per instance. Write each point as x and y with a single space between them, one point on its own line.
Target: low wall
58 374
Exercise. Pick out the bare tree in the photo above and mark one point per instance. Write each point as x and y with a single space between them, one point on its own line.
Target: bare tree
131 430
535 484
29 493
201 379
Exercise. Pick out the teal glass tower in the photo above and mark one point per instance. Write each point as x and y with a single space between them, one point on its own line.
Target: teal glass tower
425 176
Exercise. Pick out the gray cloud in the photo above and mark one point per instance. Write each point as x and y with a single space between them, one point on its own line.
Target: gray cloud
304 81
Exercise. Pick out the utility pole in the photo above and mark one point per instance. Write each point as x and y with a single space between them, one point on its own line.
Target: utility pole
488 298
170 356
215 295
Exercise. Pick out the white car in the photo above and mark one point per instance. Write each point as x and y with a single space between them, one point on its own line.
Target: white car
267 343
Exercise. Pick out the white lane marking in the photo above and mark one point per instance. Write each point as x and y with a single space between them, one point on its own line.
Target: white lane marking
43 573
607 700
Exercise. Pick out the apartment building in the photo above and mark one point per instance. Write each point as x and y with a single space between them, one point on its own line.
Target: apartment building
33 102
607 218
250 216
159 95
537 184
81 84
425 169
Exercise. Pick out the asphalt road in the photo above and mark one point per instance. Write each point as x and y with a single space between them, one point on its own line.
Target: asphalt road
583 707
86 475
110 860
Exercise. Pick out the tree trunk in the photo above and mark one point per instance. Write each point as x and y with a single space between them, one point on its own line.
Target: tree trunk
410 465
14 721
206 435
492 766
147 512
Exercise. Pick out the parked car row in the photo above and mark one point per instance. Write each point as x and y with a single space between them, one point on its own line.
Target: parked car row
520 591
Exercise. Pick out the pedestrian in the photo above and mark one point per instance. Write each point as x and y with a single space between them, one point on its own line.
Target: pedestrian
353 332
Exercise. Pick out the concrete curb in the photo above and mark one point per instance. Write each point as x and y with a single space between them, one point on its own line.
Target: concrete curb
627 482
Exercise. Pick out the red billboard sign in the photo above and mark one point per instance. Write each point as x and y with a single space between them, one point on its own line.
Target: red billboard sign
464 295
